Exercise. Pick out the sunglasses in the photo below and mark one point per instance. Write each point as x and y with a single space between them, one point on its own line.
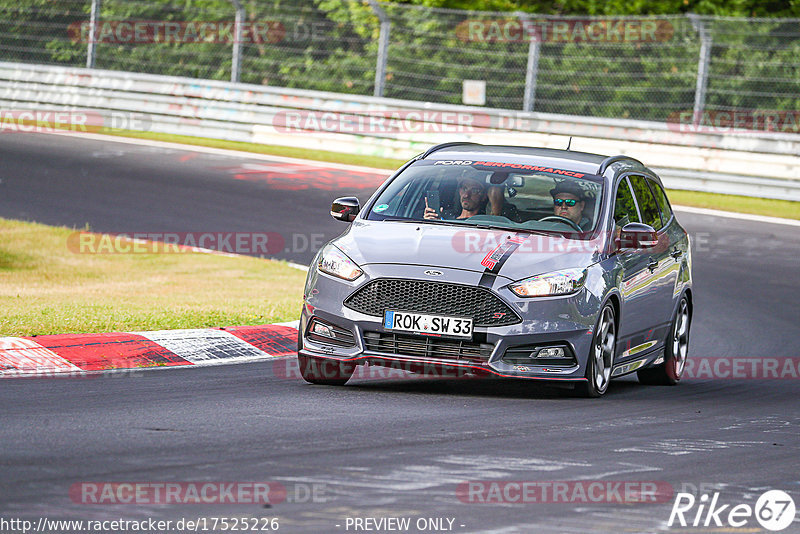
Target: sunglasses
569 202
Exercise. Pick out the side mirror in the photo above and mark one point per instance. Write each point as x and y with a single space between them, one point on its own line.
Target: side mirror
345 209
637 236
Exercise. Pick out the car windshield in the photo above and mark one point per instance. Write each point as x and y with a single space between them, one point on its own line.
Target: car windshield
491 194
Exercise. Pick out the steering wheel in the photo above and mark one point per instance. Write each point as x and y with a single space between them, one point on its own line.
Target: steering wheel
559 218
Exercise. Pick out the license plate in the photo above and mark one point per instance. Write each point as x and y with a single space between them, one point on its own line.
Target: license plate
418 323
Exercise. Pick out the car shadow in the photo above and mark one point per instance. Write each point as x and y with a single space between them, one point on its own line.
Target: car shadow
484 387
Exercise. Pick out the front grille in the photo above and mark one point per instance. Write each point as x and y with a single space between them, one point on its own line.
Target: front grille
427 347
436 298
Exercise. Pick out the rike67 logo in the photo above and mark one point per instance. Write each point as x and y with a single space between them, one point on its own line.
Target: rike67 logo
774 510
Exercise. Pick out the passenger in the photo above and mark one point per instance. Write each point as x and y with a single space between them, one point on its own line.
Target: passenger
475 198
472 197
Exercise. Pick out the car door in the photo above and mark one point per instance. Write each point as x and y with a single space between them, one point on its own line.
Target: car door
636 278
660 264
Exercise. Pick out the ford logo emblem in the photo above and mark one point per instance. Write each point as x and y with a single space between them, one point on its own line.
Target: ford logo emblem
431 272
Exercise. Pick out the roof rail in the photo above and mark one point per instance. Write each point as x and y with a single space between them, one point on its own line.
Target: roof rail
440 146
606 163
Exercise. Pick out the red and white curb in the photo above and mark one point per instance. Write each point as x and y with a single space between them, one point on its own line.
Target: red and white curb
75 354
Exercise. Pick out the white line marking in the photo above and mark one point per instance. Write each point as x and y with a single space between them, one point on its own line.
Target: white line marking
742 216
678 447
222 152
291 324
634 468
297 266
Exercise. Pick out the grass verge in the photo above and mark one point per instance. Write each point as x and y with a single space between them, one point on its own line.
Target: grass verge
47 289
757 206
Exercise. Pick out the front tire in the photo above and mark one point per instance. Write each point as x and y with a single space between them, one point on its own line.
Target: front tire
324 371
676 351
601 356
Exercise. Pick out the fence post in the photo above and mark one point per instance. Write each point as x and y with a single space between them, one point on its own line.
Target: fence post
91 51
236 59
532 69
702 67
383 47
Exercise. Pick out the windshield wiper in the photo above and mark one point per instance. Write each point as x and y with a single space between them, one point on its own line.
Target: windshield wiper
444 222
421 221
501 228
530 231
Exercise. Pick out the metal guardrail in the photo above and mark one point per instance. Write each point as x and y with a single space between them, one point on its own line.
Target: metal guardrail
753 164
640 67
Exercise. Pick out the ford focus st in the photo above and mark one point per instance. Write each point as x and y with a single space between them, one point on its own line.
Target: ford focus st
503 261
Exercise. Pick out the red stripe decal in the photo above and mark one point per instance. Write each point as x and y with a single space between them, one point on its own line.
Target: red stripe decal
272 339
99 352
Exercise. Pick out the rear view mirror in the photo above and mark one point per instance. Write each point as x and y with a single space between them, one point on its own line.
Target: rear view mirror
502 177
637 236
345 209
516 180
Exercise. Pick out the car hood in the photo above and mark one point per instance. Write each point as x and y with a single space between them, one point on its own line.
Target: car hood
389 242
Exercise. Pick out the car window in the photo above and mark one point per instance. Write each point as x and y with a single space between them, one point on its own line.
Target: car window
661 200
496 194
624 205
647 202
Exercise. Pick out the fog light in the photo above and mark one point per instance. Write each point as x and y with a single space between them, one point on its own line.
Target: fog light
331 334
322 330
551 352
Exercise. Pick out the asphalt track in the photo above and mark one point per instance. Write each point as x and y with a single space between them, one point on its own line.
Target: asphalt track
385 447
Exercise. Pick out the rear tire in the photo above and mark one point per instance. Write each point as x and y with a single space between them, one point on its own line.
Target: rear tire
601 356
676 351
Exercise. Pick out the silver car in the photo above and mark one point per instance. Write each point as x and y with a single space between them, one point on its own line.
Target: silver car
504 261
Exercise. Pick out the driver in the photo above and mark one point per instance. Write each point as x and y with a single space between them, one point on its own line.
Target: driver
569 200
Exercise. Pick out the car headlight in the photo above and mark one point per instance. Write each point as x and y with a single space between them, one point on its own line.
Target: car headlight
335 262
561 282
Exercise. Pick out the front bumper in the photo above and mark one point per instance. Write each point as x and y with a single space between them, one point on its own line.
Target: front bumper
566 321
